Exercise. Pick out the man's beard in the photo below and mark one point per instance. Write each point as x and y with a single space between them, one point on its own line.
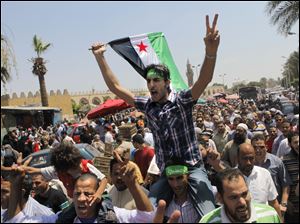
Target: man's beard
239 138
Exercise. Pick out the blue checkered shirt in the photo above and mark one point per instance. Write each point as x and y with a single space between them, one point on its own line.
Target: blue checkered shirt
172 127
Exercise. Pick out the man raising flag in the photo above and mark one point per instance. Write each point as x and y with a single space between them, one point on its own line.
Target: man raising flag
169 115
143 50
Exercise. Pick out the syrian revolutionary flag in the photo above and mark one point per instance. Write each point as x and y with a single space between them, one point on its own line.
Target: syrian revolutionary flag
145 49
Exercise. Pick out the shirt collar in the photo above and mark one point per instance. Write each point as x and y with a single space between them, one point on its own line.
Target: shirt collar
225 219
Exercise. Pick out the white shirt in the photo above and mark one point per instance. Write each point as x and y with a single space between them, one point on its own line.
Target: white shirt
68 139
261 185
133 216
50 173
149 139
108 138
33 212
123 199
129 216
283 148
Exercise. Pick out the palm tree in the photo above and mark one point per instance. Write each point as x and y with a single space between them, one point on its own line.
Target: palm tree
284 14
8 60
39 67
291 69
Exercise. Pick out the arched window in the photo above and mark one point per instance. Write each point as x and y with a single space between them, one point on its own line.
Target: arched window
83 101
96 101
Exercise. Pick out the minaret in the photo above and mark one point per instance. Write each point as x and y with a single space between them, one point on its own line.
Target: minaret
189 73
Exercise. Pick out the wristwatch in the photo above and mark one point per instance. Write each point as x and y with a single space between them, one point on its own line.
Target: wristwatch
283 204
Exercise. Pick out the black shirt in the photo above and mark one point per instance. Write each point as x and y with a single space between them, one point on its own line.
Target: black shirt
53 199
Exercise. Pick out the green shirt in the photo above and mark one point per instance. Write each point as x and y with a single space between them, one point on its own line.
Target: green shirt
260 213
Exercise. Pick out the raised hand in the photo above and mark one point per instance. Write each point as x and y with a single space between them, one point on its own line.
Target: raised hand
212 38
98 49
160 213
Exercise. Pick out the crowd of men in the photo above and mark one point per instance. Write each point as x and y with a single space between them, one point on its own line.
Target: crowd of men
262 145
188 163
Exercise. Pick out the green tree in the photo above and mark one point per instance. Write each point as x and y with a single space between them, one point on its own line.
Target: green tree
284 14
253 83
39 68
291 69
75 107
264 82
8 60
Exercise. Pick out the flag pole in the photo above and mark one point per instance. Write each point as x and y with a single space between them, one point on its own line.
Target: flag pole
90 49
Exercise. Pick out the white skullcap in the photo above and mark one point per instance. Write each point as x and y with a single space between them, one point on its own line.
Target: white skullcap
242 125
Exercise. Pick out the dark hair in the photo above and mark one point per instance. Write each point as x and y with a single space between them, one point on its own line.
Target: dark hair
258 137
138 138
291 134
87 176
227 174
113 162
63 132
162 69
65 156
27 186
175 161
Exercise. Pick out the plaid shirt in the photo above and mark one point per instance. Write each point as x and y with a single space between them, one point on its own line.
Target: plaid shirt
172 127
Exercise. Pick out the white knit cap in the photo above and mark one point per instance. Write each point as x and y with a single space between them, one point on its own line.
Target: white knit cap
242 125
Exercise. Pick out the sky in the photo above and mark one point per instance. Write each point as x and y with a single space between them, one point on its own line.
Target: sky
250 47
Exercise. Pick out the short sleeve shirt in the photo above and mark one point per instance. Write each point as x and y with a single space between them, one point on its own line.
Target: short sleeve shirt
172 127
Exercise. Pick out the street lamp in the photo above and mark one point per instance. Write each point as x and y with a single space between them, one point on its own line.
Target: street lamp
196 66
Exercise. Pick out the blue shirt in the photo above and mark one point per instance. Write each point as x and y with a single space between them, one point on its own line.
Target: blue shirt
172 127
278 172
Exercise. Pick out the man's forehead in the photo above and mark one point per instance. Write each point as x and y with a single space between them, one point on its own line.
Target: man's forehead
258 142
85 184
5 183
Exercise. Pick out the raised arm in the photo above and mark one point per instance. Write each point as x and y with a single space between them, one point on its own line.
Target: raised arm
130 179
15 205
109 77
212 40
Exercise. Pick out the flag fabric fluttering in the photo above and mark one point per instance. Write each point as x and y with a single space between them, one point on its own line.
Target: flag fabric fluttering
145 49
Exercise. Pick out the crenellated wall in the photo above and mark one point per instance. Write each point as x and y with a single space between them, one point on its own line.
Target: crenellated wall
55 99
63 100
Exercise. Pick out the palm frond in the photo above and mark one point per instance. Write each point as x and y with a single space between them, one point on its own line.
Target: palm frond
284 14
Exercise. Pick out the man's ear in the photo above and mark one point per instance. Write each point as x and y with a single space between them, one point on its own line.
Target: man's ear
219 198
168 83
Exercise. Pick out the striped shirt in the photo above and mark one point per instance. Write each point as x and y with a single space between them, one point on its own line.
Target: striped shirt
291 162
172 127
260 213
188 213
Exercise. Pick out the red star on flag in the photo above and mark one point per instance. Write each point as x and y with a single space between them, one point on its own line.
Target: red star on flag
142 47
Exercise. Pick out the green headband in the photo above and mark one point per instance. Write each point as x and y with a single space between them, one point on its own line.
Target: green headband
154 74
176 170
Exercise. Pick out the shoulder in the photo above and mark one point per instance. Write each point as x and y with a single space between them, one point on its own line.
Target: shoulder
274 159
212 217
265 213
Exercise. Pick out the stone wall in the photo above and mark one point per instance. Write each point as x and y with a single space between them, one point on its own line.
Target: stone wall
57 99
